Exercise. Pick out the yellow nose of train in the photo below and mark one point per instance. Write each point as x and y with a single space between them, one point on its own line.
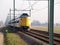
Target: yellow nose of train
24 21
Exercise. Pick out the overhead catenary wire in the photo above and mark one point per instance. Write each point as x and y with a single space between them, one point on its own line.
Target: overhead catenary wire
41 8
31 6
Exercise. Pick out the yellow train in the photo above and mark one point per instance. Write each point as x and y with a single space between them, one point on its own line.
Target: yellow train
23 22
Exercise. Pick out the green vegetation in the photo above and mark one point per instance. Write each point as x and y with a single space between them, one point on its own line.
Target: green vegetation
14 39
56 29
11 38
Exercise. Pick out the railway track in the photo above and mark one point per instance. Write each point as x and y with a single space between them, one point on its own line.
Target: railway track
43 37
47 33
56 36
46 36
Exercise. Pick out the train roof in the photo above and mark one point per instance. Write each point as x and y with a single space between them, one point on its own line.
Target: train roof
24 15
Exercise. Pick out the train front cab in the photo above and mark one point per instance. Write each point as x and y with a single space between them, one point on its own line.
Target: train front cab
24 22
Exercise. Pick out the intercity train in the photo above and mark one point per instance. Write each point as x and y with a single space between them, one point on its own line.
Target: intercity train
23 22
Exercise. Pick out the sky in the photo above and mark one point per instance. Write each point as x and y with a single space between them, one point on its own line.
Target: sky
39 12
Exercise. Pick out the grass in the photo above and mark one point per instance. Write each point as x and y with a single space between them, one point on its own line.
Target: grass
40 28
14 39
56 29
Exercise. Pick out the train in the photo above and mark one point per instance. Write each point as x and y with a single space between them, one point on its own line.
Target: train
23 22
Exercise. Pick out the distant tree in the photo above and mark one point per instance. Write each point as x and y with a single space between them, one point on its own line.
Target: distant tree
35 23
1 22
45 24
57 24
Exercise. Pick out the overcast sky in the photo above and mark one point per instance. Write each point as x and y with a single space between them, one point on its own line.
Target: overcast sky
39 13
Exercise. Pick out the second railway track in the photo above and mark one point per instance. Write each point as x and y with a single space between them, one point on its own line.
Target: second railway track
42 37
